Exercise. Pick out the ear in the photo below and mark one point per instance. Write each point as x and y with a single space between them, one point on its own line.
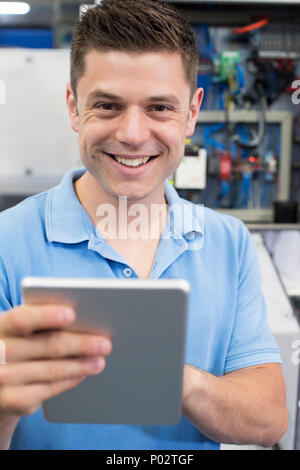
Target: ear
194 111
72 108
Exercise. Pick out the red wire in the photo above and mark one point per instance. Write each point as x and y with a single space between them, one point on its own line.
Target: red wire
251 27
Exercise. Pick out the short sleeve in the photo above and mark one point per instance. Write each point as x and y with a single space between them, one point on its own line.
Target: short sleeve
252 341
5 302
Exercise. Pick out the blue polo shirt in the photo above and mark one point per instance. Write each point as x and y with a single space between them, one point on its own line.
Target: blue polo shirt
50 234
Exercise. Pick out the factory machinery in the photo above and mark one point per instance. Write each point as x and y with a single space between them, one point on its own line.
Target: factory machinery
243 158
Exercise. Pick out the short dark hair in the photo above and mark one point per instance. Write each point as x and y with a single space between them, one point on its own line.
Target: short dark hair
134 26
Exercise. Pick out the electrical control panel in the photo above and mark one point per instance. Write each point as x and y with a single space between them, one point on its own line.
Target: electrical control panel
249 118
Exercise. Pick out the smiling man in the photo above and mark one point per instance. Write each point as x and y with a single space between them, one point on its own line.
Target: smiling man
133 100
132 112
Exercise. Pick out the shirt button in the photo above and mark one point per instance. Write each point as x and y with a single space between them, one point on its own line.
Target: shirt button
127 272
191 236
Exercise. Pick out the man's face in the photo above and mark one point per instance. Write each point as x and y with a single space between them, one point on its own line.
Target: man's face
133 106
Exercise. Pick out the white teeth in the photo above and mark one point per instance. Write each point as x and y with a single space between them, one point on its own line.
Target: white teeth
130 162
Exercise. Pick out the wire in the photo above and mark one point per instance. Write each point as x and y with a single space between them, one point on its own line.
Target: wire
256 138
251 27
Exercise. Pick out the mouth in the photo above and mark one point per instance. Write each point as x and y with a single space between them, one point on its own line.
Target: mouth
132 161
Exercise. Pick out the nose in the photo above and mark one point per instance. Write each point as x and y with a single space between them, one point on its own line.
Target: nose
133 128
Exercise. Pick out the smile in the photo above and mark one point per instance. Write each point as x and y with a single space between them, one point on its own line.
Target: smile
131 161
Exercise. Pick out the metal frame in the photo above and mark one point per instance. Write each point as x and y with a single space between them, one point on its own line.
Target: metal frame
277 226
285 119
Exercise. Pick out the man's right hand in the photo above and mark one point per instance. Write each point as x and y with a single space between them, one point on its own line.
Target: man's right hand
42 358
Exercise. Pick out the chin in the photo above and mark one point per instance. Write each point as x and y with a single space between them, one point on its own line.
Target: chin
132 194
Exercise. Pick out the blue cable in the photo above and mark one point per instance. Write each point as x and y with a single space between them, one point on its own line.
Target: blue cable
241 78
208 131
205 49
208 53
246 185
221 88
268 178
224 191
203 36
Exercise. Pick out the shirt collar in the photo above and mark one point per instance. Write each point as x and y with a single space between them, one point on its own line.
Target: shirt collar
184 217
65 217
66 220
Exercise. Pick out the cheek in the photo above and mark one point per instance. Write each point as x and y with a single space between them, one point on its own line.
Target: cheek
173 136
176 152
176 143
82 143
89 136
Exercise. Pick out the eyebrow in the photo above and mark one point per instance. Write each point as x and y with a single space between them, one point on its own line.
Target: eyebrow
160 98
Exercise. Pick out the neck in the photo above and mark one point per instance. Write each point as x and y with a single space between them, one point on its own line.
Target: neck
119 217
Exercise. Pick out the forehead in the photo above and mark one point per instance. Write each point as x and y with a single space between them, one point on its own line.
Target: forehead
118 72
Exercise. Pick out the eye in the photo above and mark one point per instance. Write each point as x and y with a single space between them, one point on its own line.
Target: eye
160 108
104 106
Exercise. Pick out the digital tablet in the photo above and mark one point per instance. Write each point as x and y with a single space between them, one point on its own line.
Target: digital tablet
146 321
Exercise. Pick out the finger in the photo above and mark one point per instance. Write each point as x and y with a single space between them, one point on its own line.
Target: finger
26 399
49 371
56 344
26 319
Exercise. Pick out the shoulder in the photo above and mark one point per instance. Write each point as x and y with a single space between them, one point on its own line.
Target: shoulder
224 238
219 226
225 225
223 221
22 221
229 235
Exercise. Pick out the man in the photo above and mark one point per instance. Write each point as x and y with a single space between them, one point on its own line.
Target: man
133 100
